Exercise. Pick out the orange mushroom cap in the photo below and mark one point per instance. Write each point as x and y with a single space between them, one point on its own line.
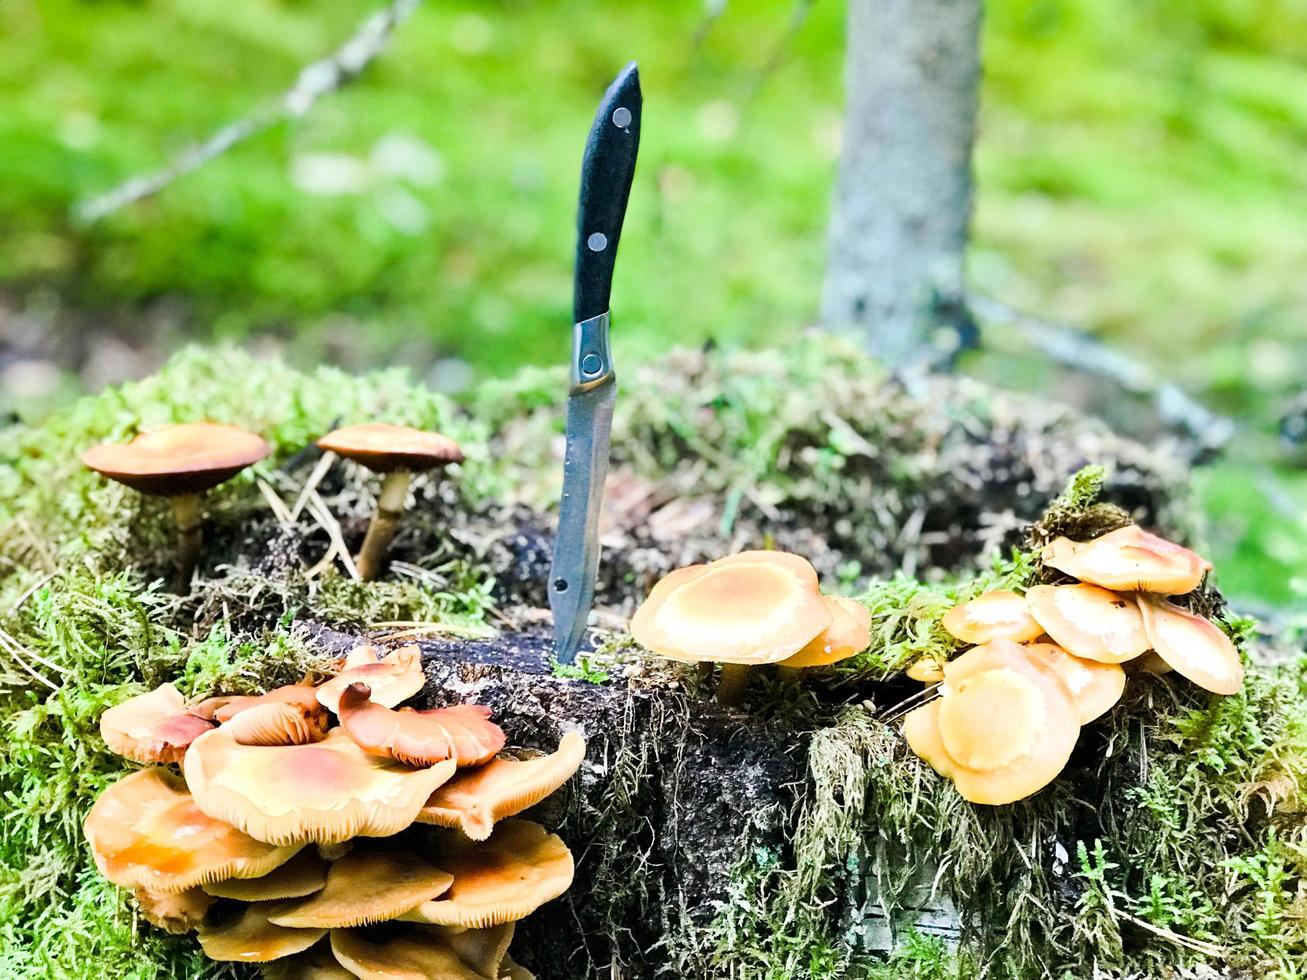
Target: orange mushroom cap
502 879
394 678
476 798
145 831
178 459
174 912
289 715
152 727
848 635
325 792
414 954
799 565
463 732
1090 622
736 611
366 887
1195 647
1096 687
1004 727
302 875
999 614
248 937
1129 559
383 448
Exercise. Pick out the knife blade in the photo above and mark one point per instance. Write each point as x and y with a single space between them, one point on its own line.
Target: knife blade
606 173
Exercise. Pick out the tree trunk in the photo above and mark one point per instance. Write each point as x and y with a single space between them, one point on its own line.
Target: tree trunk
903 196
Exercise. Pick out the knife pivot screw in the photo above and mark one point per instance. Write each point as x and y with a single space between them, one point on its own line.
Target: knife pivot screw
597 242
560 585
621 117
591 365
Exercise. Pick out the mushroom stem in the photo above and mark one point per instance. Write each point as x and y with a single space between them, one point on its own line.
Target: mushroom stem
734 679
190 537
385 522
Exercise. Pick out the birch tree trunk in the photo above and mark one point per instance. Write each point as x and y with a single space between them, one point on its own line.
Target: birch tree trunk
902 201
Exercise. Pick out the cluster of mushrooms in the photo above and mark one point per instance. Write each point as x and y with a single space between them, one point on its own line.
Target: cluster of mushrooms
290 841
1007 712
182 462
757 607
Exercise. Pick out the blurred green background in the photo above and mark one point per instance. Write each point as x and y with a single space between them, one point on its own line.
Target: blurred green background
1141 172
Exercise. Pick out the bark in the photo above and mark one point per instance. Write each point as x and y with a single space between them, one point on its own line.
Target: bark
903 196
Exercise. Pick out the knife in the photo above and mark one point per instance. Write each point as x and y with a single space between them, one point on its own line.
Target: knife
606 172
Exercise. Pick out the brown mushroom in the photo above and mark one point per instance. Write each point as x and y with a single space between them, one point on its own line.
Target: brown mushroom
394 678
174 912
757 608
1089 621
302 875
463 732
848 635
152 727
180 462
1129 559
512 971
502 879
366 887
1096 687
324 792
414 954
476 798
398 452
246 936
289 715
484 950
999 614
1003 728
316 963
1195 647
145 831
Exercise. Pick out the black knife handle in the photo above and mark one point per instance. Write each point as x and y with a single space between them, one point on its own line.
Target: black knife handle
606 173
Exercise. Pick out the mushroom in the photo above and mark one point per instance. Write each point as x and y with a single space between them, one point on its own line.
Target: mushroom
289 715
484 950
152 727
1096 687
394 678
848 635
145 831
365 887
999 614
476 798
1129 559
502 879
1089 621
324 792
512 971
302 875
1195 647
174 912
180 462
463 732
754 608
398 452
248 937
1003 728
414 954
316 963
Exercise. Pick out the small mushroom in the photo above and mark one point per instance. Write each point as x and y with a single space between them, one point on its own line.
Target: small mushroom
145 831
366 887
289 715
1195 647
180 462
394 678
316 963
1129 559
398 452
152 727
502 879
463 732
302 875
414 954
1089 621
484 950
1004 727
324 792
999 614
756 608
848 635
174 912
1096 687
248 937
476 798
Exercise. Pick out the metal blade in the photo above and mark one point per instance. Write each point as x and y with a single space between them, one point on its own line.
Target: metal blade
576 547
